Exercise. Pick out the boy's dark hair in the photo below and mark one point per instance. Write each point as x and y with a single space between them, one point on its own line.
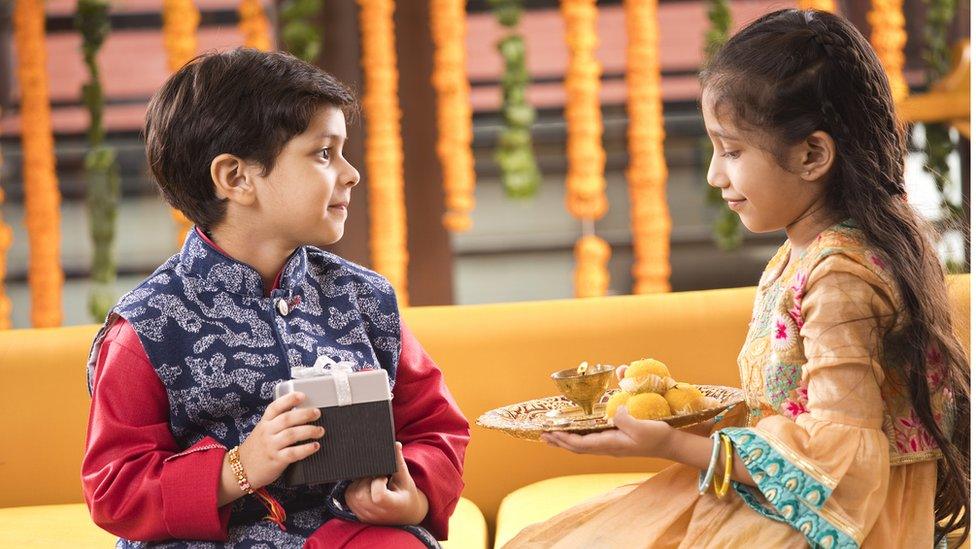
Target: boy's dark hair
791 73
243 102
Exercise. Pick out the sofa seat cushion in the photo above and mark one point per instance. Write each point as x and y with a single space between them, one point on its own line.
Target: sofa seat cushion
70 525
544 499
67 525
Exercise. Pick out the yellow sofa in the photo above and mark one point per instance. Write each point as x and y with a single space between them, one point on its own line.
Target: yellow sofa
490 354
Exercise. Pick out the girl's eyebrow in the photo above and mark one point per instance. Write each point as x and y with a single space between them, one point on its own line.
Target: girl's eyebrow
722 135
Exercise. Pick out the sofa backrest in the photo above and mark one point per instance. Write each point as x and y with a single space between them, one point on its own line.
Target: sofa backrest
491 355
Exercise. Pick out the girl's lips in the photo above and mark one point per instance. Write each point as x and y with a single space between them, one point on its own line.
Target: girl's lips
735 204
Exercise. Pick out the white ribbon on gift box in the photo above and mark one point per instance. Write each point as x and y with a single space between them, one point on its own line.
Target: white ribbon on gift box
338 370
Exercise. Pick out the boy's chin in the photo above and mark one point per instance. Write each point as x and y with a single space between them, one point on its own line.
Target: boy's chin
328 240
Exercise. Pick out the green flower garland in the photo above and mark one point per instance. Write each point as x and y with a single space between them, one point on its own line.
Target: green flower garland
727 231
101 168
514 155
938 142
299 34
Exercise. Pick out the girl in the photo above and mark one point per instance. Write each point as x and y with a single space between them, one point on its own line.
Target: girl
855 426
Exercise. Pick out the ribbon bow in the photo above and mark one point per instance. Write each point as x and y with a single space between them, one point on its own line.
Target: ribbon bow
338 370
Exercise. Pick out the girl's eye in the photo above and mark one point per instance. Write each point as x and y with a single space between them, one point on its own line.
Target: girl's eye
326 154
731 154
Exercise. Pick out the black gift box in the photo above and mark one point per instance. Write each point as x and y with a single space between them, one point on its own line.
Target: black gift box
359 434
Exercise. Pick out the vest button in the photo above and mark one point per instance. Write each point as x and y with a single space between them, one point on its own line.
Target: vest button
283 308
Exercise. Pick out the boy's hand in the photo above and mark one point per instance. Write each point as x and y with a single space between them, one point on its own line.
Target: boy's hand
388 501
268 449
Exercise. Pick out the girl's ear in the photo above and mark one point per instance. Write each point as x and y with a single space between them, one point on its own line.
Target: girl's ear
231 180
817 155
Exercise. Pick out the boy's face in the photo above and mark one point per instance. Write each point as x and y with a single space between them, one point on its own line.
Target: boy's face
304 199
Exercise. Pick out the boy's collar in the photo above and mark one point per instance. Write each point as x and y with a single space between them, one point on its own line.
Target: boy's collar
202 258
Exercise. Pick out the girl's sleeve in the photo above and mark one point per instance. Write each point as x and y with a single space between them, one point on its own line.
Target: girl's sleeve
826 471
433 431
138 483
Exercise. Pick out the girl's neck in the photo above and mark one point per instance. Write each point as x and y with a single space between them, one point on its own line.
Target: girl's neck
802 232
267 257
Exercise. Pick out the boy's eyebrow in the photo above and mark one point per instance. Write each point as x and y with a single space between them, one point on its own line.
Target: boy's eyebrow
328 135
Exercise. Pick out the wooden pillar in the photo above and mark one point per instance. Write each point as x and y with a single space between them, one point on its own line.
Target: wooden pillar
965 163
431 266
340 57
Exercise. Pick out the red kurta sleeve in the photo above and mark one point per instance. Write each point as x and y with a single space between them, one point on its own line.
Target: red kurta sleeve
432 430
137 482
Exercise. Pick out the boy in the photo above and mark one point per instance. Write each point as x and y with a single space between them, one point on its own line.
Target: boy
185 441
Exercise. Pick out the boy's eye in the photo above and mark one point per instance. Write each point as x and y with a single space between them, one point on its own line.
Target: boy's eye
326 154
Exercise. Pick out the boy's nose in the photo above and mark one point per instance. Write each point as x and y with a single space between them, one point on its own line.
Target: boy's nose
352 178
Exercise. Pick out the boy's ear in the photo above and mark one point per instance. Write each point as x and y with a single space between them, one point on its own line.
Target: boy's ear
231 182
818 156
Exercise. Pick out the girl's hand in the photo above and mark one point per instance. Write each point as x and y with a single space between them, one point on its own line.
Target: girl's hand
268 449
620 371
388 501
632 437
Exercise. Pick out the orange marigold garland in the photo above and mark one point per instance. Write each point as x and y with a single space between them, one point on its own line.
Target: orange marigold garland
822 5
585 184
447 25
384 147
254 25
180 21
888 38
647 174
6 238
591 276
42 197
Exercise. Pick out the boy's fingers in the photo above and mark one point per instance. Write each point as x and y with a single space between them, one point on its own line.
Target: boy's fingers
402 475
620 371
292 435
298 416
377 489
282 404
291 454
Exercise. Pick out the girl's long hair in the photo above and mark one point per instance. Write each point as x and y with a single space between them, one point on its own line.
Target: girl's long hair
791 73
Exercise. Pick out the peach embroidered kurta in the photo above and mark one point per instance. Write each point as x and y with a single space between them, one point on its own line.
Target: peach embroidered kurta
839 458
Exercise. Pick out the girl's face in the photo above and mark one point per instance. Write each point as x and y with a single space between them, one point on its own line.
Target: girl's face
767 196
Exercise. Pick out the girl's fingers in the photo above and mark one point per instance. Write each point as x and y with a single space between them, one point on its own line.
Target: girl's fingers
596 443
291 454
624 421
620 371
281 405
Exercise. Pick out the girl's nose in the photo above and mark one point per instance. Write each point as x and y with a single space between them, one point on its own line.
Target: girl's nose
715 177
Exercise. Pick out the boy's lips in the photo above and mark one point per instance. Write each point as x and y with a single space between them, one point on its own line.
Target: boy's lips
339 205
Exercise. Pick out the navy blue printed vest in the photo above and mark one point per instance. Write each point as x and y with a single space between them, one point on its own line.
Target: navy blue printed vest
219 345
